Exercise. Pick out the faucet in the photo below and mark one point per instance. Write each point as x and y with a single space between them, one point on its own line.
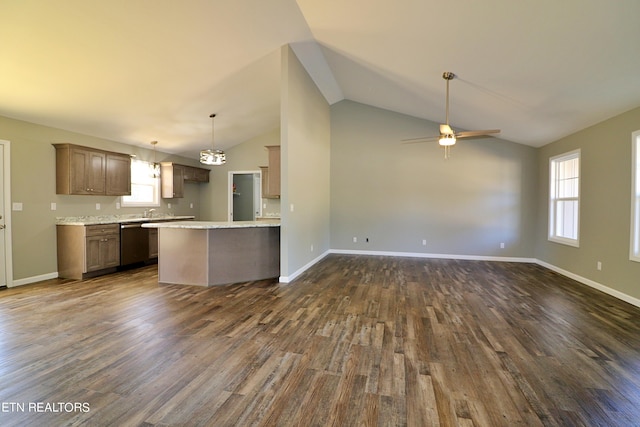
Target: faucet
148 213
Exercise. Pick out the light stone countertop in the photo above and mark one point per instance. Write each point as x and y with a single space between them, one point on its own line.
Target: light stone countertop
118 219
207 225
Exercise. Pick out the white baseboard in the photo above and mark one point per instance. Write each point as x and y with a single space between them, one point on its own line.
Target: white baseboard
599 286
34 279
290 278
428 255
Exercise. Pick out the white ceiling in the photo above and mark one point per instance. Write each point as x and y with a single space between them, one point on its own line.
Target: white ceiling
143 70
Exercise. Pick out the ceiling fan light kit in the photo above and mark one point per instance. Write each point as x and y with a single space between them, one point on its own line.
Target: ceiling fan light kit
448 136
212 157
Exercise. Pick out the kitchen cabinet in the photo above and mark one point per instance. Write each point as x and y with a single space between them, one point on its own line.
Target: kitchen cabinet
173 177
88 250
118 179
89 171
271 174
194 174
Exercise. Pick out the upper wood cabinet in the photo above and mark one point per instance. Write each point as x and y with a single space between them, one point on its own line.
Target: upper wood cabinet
84 170
173 176
118 180
271 174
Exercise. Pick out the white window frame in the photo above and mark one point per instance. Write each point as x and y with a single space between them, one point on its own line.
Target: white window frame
145 180
554 199
634 249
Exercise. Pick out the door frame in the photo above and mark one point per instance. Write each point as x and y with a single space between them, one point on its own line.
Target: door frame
257 189
8 254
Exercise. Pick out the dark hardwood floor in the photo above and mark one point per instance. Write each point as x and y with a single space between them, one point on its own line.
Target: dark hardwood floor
357 340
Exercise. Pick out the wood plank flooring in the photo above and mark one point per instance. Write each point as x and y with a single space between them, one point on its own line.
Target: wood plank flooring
357 340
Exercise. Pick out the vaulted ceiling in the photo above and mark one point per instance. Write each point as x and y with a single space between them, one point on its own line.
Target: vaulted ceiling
143 70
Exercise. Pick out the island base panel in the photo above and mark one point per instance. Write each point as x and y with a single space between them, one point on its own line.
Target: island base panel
218 256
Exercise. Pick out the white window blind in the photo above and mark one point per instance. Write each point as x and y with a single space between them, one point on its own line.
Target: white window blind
564 198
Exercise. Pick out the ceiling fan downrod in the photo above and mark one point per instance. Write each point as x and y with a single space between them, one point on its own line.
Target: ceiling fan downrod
448 76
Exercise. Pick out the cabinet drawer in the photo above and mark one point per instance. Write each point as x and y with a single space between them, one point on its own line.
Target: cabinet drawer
102 229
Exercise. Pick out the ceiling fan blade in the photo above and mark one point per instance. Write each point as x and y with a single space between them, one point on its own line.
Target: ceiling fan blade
422 139
445 129
472 133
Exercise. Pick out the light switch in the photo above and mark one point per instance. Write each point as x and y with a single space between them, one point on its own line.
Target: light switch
17 206
53 206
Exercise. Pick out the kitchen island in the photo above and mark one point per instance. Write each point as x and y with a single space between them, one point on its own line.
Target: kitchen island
209 253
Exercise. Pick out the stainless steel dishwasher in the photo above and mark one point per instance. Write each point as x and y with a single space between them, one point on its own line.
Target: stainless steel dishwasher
134 243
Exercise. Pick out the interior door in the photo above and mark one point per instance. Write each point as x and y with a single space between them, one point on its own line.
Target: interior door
5 235
244 195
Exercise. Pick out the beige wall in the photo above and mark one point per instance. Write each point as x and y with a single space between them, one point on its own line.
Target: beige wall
248 156
306 142
605 211
33 185
398 195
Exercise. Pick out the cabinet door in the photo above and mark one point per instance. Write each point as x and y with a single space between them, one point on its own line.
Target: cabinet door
110 251
87 172
96 172
178 181
118 175
93 249
172 180
102 252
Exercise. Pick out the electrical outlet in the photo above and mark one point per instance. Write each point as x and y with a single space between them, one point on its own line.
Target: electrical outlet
599 265
311 248
367 240
53 206
424 242
97 206
355 240
502 245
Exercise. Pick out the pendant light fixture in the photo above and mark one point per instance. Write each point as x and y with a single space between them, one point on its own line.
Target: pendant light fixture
212 156
154 168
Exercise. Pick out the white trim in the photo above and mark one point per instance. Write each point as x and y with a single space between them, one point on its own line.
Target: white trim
290 278
34 279
8 241
635 215
551 236
430 255
257 190
591 283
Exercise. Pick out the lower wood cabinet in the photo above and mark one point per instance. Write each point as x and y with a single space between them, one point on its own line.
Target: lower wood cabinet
87 250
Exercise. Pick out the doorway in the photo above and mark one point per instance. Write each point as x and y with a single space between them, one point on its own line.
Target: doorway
245 191
6 271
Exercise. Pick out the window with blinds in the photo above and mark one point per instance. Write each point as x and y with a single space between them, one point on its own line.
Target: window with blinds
564 198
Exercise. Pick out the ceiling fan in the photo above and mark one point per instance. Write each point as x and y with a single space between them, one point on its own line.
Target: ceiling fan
448 136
